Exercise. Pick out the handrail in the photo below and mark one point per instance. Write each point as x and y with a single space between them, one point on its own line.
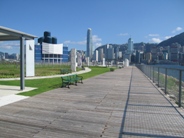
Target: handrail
155 74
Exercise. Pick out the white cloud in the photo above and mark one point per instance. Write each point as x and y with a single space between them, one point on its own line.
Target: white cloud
96 39
156 40
177 29
167 37
123 34
6 47
81 42
69 42
9 45
97 44
153 35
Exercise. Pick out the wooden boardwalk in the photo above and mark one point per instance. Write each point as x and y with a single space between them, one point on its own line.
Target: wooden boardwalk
123 103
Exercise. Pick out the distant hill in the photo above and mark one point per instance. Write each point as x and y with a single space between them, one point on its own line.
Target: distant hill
178 38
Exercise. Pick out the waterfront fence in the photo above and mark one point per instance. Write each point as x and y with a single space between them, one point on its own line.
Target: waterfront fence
170 80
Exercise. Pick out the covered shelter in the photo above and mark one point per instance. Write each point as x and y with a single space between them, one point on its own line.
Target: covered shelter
7 34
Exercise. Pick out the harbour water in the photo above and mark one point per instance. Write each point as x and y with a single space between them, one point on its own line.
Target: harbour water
173 70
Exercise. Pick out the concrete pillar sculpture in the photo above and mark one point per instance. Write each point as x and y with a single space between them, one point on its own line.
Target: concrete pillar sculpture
73 60
126 62
30 63
103 62
87 60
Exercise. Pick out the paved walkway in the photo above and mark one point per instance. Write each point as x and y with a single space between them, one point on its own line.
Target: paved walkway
123 103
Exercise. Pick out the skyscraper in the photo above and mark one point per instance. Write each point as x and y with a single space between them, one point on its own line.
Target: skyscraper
89 48
130 46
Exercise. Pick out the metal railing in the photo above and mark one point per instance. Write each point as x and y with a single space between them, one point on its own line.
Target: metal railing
171 80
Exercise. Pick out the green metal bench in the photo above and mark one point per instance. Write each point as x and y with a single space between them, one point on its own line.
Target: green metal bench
77 78
71 79
65 81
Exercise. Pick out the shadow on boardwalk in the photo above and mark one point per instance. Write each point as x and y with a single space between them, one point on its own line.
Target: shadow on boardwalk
117 104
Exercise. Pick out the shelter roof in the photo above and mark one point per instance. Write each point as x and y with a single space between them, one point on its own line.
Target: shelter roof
7 34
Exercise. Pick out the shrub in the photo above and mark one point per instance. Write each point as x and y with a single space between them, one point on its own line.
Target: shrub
111 69
66 71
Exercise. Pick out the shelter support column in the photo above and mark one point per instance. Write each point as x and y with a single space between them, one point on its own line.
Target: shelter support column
22 77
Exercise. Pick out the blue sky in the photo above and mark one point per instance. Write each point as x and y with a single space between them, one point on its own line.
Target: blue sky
111 21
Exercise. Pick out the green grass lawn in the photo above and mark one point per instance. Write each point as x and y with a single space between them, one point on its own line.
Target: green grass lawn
47 84
12 70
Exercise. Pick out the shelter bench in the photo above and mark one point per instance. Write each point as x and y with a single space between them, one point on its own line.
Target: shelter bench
71 79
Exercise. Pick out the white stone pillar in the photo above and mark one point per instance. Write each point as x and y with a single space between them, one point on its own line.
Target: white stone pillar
30 62
73 60
126 62
79 60
87 60
103 62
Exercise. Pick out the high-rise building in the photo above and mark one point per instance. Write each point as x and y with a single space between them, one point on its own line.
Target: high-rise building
110 53
106 51
130 45
100 54
6 55
117 53
48 51
89 48
174 52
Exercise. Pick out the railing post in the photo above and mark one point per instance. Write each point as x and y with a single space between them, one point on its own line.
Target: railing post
165 80
147 71
150 72
153 74
180 84
158 76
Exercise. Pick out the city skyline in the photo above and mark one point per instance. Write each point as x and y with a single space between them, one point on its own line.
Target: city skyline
112 21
